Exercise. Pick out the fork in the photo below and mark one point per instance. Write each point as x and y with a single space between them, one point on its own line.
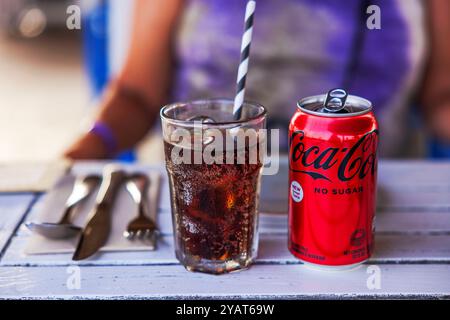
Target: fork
142 226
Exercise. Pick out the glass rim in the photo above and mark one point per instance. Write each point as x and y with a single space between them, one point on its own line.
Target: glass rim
261 115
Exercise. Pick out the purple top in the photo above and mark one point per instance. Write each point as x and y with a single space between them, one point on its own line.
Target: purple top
300 48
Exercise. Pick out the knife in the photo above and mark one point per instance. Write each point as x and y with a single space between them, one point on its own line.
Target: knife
96 232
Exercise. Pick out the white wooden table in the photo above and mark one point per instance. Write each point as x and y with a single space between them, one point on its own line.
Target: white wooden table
412 256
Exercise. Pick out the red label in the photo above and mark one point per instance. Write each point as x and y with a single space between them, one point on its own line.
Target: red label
356 161
332 224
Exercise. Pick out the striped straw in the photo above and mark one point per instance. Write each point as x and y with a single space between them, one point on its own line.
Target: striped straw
245 53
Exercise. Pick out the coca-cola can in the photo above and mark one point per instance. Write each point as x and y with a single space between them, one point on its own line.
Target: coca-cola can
333 141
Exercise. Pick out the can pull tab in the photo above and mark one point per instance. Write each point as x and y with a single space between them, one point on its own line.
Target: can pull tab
335 100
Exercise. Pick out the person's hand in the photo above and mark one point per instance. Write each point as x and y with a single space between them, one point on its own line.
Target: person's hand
439 121
87 147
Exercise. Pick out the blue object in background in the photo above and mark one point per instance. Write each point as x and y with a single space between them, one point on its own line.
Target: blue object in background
434 149
95 51
438 150
95 46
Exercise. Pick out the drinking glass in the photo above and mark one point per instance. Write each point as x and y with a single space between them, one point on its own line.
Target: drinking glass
214 165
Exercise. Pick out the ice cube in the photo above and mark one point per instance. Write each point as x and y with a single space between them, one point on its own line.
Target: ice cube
206 138
202 119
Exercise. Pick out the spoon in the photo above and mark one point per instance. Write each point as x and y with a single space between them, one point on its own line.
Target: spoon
63 229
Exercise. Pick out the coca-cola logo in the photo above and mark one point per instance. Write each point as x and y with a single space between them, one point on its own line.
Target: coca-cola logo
355 162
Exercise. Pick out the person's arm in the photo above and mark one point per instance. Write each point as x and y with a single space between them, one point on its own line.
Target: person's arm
131 103
436 92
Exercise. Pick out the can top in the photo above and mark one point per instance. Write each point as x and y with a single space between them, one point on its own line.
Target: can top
337 103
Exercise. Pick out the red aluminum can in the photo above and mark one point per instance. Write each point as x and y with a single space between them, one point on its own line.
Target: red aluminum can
333 141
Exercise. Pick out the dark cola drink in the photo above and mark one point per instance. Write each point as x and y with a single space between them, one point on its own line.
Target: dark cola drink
215 209
214 205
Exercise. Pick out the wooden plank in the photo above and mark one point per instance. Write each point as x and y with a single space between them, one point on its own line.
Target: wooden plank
386 222
402 186
261 281
388 249
413 222
12 209
394 200
401 248
389 199
414 172
400 172
408 173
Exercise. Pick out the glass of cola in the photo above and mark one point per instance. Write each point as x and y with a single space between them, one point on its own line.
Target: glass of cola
214 162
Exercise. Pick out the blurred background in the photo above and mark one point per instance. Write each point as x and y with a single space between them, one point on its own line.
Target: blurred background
43 89
51 78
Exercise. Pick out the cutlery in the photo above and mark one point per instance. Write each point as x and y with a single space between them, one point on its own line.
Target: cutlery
142 226
96 232
82 188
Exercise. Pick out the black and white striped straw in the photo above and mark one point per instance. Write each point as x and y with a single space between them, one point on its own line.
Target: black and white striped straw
245 53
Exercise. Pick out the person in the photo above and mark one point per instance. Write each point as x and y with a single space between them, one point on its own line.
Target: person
189 49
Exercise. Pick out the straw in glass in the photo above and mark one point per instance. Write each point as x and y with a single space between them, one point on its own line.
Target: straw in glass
245 53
